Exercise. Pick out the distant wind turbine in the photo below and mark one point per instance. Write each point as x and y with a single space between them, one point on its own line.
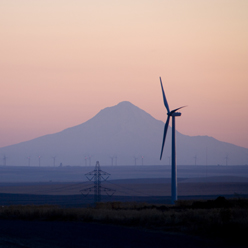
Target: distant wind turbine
90 156
28 158
142 160
195 157
39 160
135 160
172 114
226 158
85 159
54 158
112 160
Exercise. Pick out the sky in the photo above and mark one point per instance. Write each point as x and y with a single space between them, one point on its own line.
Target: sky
63 61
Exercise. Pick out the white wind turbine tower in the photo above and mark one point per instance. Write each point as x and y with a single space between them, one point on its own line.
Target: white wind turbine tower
195 158
135 160
142 160
90 156
226 158
172 114
112 161
28 158
39 160
54 158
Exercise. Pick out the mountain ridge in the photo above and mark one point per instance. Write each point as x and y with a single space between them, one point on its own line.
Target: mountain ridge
125 131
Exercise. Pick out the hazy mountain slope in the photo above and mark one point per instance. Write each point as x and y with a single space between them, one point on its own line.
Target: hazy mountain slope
209 150
124 131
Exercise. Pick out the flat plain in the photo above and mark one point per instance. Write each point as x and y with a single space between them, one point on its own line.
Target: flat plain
48 185
34 186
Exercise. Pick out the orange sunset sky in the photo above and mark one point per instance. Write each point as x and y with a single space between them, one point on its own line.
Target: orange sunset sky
63 61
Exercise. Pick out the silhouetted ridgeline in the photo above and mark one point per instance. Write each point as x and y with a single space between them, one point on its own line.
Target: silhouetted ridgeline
116 135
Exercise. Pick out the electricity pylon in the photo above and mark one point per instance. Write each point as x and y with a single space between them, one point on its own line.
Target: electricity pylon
98 176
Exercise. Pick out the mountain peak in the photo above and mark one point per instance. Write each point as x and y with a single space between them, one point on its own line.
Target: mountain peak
121 105
125 104
123 130
124 113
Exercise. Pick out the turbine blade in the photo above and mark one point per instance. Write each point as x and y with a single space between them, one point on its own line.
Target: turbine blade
173 111
165 101
165 132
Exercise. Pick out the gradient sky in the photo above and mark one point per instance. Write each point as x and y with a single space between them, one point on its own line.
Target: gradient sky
63 61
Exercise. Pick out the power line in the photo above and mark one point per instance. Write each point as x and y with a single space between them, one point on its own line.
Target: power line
129 189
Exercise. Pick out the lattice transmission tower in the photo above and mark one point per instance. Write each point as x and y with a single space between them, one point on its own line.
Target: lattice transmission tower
98 175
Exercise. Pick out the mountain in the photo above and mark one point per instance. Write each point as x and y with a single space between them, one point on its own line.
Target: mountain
123 131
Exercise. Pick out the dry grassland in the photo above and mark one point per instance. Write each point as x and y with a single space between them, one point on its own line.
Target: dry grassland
220 218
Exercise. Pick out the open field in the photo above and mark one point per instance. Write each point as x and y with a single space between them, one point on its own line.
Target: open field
216 223
77 173
140 190
225 185
33 206
141 181
135 187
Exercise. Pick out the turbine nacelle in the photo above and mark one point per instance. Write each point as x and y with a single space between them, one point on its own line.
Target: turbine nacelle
176 114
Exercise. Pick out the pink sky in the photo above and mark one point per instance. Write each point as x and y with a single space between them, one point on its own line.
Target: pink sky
63 61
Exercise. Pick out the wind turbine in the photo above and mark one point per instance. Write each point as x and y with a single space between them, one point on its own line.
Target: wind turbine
135 160
195 157
54 158
39 157
172 114
28 158
112 160
90 156
226 158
